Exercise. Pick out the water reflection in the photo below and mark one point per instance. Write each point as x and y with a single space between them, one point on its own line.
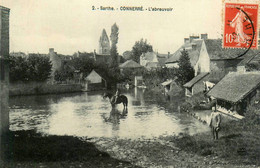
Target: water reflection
88 114
114 117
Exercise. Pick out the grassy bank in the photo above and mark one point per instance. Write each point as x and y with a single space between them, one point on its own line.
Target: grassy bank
239 141
30 149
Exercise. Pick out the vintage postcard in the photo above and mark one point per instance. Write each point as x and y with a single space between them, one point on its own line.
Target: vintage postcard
129 83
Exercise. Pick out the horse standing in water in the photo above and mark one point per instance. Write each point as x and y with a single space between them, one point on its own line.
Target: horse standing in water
121 99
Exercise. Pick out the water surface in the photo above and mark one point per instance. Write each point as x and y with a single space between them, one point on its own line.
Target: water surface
88 114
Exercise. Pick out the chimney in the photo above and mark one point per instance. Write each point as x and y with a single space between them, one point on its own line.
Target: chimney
168 55
193 37
186 40
204 36
51 50
194 46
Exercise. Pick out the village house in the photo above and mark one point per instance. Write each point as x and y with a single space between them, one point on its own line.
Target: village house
207 55
197 84
249 63
169 85
130 65
236 91
61 62
152 60
94 81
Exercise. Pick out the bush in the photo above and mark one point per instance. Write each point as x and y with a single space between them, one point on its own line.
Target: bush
33 68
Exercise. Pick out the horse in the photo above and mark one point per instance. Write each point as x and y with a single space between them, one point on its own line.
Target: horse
121 99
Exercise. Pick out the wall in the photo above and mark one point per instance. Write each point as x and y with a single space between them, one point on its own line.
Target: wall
55 60
229 65
4 30
203 64
93 77
199 86
19 89
4 78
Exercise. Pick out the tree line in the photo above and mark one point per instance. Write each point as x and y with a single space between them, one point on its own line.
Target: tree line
31 68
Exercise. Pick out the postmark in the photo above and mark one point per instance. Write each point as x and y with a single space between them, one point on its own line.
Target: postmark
240 25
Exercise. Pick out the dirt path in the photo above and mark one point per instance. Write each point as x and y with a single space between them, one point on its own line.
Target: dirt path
157 153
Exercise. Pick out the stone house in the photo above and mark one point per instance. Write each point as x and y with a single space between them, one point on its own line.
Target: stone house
236 91
152 60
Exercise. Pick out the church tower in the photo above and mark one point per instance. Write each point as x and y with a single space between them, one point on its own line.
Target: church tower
104 44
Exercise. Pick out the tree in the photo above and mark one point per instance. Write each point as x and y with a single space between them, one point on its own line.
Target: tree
33 68
113 50
83 63
185 71
127 55
39 67
18 69
140 47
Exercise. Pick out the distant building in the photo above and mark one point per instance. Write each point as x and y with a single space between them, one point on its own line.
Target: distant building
104 43
196 85
152 60
169 85
56 61
131 66
95 81
236 91
106 58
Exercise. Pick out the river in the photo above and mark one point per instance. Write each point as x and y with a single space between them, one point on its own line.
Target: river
88 114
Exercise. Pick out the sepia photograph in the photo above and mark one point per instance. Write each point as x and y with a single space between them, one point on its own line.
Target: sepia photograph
129 83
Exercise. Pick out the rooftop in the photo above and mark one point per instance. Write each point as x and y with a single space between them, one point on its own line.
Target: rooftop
235 86
195 79
214 49
130 64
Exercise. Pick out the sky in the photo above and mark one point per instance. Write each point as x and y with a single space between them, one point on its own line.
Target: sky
70 26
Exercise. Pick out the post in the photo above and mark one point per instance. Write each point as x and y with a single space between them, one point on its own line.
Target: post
4 78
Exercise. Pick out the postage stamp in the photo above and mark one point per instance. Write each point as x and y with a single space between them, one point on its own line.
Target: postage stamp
240 25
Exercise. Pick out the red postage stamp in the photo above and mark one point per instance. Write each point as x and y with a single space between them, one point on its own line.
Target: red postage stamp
240 25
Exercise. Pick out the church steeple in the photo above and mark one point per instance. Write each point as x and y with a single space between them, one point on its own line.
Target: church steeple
104 43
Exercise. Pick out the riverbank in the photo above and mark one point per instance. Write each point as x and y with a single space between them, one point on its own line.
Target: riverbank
34 88
161 152
239 142
27 149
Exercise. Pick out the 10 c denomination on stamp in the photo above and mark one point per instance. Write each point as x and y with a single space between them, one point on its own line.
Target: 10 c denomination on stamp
240 25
